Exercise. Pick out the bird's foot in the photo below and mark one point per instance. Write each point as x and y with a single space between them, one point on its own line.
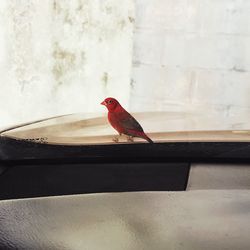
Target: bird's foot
130 139
115 139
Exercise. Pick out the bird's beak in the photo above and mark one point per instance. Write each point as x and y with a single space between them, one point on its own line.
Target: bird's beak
104 103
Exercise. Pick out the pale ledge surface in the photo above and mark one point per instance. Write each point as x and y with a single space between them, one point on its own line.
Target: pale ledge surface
80 129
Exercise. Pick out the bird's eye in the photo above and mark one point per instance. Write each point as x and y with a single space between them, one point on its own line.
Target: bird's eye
110 101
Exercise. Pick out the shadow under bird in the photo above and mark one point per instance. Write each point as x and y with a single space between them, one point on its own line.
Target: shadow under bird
122 121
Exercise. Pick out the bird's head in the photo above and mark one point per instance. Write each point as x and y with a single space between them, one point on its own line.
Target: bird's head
110 103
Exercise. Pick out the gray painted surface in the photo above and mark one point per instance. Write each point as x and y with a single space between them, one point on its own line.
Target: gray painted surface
219 176
191 220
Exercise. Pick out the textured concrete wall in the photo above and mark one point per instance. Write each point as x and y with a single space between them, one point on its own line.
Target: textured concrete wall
59 56
192 56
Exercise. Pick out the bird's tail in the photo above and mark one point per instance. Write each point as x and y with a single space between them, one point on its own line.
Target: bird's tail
140 134
147 138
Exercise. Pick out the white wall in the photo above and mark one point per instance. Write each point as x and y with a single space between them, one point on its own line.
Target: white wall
192 56
59 56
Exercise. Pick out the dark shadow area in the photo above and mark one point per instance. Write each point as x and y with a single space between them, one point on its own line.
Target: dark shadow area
26 181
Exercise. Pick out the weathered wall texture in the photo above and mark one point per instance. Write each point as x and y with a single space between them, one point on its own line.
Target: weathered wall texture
59 56
192 56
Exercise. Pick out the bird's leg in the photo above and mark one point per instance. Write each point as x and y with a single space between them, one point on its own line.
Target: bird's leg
116 139
130 139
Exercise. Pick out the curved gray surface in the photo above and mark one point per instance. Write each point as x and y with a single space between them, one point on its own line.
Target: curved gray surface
219 176
150 220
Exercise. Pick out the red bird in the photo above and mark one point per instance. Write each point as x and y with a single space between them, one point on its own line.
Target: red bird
122 121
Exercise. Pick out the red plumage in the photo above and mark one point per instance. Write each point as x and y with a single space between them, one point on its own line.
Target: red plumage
122 121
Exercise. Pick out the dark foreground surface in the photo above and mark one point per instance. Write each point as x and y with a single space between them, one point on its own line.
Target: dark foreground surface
21 150
31 169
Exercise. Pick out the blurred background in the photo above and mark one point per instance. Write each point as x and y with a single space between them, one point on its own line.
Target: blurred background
184 56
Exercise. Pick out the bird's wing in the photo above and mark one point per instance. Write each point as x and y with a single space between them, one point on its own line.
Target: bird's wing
129 122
